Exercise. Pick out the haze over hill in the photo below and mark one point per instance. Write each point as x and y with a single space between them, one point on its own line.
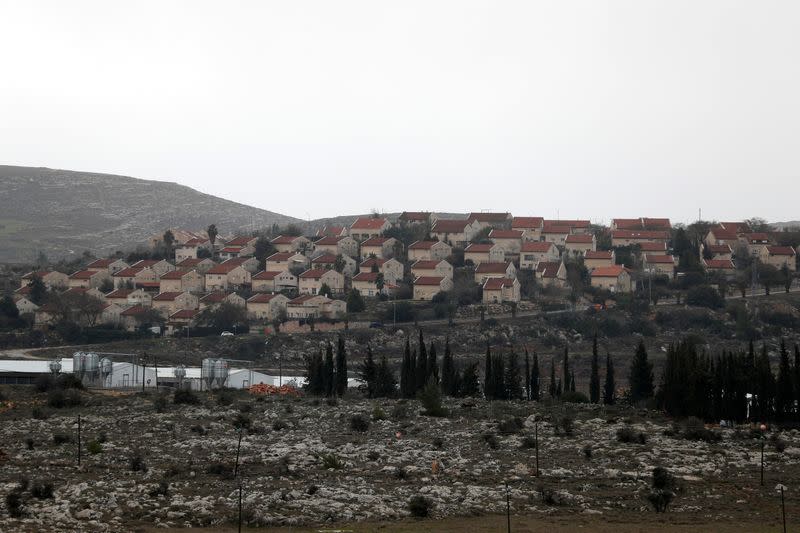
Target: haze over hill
61 212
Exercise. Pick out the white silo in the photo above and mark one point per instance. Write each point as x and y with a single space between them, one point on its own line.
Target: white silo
78 364
180 374
207 372
106 369
220 372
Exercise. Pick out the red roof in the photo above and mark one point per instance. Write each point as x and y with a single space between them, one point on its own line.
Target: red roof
368 223
330 230
505 234
184 314
599 254
720 264
644 234
720 248
488 217
100 263
757 238
83 274
191 262
284 239
656 223
423 245
627 223
328 241
428 280
664 259
237 261
76 290
315 273
239 241
568 223
119 293
423 264
223 268
175 274
261 298
496 284
450 226
195 241
148 284
133 310
144 263
375 241
724 233
366 276
23 290
325 259
781 250
579 239
231 250
736 227
214 297
491 268
303 299
415 216
548 269
558 229
166 296
608 271
280 256
653 246
479 247
265 275
39 273
128 272
537 247
367 263
527 222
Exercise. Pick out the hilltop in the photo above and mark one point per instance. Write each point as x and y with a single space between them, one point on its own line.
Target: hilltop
61 212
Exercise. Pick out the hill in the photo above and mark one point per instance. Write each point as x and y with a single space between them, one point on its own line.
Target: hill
61 212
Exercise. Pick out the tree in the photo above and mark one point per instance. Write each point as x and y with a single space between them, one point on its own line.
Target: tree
89 308
355 303
8 309
325 290
609 387
488 380
449 372
338 263
263 249
511 378
421 371
768 276
534 377
369 373
328 371
433 365
527 376
169 242
784 397
315 376
380 282
594 378
385 382
787 277
408 382
212 235
566 374
552 390
341 367
470 386
224 316
641 375
38 292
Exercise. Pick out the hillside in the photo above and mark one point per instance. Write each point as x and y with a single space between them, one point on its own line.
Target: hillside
62 212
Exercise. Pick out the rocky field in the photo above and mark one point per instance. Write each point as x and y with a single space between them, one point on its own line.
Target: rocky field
308 463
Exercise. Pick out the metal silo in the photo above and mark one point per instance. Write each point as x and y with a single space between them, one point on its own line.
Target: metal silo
207 372
220 372
91 366
180 375
55 366
106 368
78 364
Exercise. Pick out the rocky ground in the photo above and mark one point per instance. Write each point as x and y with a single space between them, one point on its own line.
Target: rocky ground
303 463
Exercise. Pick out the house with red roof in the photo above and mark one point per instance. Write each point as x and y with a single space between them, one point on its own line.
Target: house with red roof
409 218
491 220
622 237
381 247
575 226
109 265
532 253
509 240
643 223
51 279
501 290
160 267
190 249
278 262
477 253
615 278
367 227
135 276
757 243
426 287
328 262
653 247
429 250
227 275
332 231
719 251
312 280
392 269
659 265
168 303
309 306
551 274
457 233
778 256
216 298
201 265
277 281
578 244
434 268
556 233
183 318
89 279
722 266
600 258
182 281
531 227
266 306
290 243
343 244
484 271
366 283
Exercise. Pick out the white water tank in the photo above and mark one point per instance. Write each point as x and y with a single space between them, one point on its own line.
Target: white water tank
207 372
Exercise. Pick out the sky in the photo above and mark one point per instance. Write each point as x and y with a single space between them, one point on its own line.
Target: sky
573 109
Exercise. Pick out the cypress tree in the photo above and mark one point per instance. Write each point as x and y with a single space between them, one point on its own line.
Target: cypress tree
407 383
498 376
558 388
797 379
765 386
552 389
449 372
413 375
314 374
609 387
488 380
385 382
328 371
369 373
565 372
433 365
641 375
341 368
594 379
527 376
422 364
470 385
785 391
534 378
513 384
572 381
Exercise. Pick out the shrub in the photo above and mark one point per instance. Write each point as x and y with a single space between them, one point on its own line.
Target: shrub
38 413
61 438
373 455
359 423
778 443
59 398
565 425
490 439
510 426
185 396
629 435
438 443
94 447
14 504
136 463
400 473
663 489
705 296
431 399
220 469
694 429
162 489
29 443
42 490
279 425
420 506
242 421
224 397
378 413
331 461
332 401
528 442
587 451
197 428
574 397
400 411
160 403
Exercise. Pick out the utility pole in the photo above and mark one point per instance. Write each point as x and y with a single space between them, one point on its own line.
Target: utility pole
79 440
508 509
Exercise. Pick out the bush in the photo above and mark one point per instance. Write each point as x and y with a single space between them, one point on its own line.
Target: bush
431 399
420 506
373 455
38 413
220 469
42 490
587 451
136 463
160 403
400 411
662 493
510 426
491 440
331 461
61 438
565 425
94 447
242 421
162 489
29 443
59 398
574 397
279 425
705 296
14 504
185 396
528 442
438 443
378 413
359 423
400 473
694 429
629 435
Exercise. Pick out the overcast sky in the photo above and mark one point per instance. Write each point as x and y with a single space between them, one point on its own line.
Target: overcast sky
579 109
